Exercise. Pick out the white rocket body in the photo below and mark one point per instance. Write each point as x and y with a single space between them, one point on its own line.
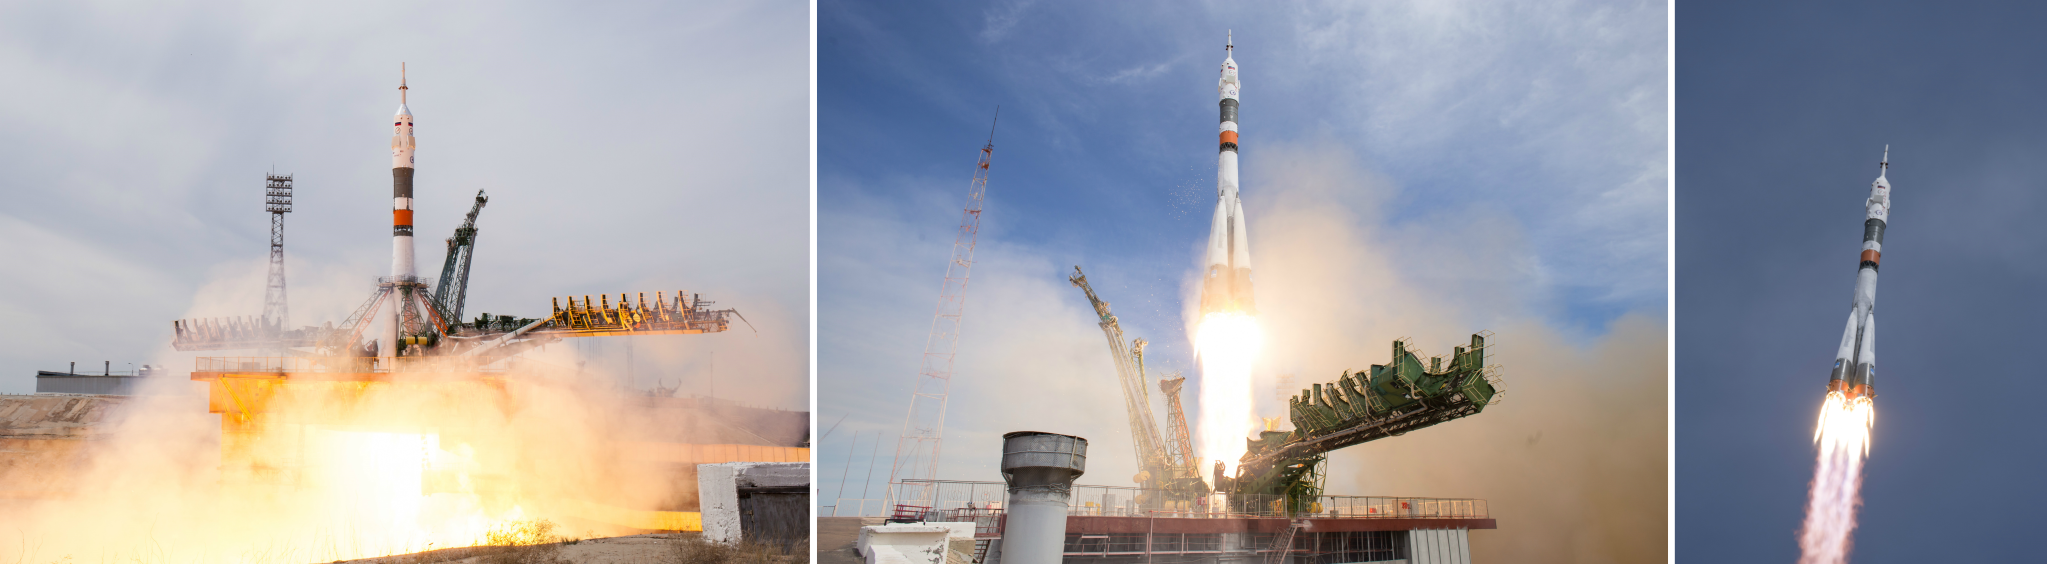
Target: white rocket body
1226 282
1855 361
402 266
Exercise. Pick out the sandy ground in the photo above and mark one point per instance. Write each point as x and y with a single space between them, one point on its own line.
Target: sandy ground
635 549
835 538
621 550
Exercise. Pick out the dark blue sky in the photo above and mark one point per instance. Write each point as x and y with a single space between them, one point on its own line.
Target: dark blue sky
1782 111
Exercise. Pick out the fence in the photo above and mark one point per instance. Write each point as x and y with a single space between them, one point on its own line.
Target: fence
347 364
937 499
846 507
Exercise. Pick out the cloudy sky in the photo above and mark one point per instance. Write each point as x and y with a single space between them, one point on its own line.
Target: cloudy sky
1783 112
1428 169
626 147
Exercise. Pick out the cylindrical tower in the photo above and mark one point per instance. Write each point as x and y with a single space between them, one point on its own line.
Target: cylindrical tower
1040 469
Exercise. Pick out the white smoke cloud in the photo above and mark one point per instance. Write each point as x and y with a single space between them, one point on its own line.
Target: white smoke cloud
1571 462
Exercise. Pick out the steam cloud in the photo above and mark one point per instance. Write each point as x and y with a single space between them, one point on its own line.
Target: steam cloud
394 469
1572 462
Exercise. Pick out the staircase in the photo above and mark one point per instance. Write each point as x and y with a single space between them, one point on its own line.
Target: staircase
1283 543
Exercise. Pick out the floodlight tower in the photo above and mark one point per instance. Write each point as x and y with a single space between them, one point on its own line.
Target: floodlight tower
277 201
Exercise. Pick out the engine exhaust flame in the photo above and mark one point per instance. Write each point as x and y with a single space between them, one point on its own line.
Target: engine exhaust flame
1843 440
1227 343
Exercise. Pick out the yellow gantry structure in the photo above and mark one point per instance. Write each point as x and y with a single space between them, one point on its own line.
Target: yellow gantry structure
599 317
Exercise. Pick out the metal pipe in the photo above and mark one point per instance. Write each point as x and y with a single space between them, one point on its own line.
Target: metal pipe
1040 469
478 351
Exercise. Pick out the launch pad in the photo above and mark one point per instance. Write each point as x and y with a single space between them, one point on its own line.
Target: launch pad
414 390
1109 524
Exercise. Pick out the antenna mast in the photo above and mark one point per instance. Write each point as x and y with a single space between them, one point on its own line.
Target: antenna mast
918 447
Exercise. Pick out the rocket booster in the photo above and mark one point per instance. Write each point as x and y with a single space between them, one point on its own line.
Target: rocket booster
402 146
1226 285
1855 362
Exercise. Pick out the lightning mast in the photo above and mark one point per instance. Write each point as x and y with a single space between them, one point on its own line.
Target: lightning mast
277 201
918 446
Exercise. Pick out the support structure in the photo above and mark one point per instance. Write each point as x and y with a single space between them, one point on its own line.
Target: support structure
1359 407
277 201
918 446
453 289
1164 466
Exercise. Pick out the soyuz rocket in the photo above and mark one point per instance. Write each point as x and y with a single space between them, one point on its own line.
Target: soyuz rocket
1855 362
402 146
1226 286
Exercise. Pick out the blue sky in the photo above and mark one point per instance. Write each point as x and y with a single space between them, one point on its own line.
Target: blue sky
1783 112
1427 169
627 147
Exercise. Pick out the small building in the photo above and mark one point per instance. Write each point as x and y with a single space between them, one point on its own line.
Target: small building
109 383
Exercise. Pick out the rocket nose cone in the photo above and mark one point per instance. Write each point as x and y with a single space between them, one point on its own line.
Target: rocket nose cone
404 111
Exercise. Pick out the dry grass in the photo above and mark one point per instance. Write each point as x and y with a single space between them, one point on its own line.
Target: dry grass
693 549
525 542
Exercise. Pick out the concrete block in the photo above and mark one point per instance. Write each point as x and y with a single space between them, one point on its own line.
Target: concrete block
735 495
905 543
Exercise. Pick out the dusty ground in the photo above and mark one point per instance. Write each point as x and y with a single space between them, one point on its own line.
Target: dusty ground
835 538
634 549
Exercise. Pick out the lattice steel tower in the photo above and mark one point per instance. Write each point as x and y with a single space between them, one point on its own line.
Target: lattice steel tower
277 201
917 449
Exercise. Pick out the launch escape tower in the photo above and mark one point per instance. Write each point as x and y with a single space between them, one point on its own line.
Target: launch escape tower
923 428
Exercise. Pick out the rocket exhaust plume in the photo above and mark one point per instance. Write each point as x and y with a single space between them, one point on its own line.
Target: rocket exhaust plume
1228 338
1843 441
1849 412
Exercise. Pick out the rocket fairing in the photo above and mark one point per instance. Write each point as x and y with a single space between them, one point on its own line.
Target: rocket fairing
402 146
1226 286
1855 362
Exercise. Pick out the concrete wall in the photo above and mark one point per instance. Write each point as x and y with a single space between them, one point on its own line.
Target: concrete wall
766 502
1438 546
58 383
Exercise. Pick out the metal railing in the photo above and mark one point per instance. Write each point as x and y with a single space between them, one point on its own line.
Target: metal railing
861 508
345 364
933 500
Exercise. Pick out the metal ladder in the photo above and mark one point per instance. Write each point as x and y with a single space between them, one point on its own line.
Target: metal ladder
1283 544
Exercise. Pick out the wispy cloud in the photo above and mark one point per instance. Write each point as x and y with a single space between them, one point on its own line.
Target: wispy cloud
998 20
1140 73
